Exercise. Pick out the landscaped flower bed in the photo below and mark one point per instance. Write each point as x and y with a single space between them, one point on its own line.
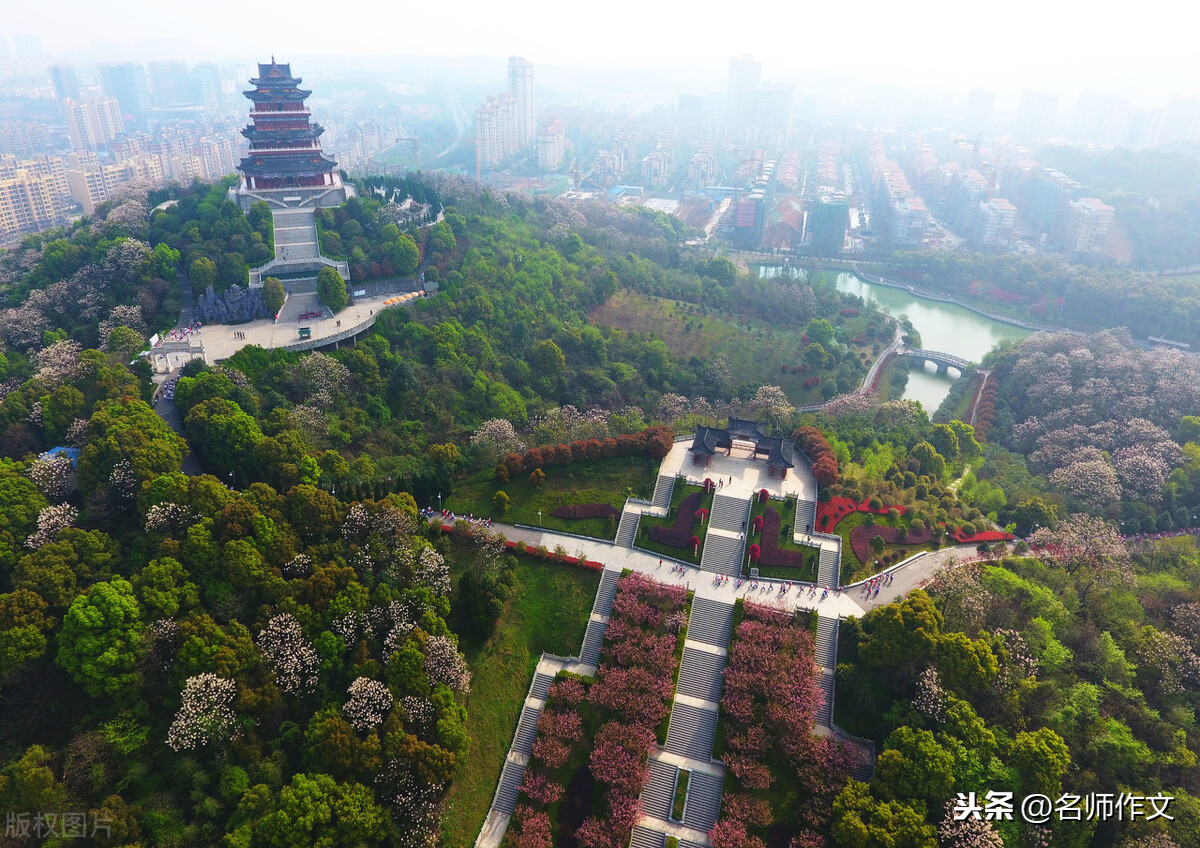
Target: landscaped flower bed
830 512
680 533
986 536
860 538
587 510
780 778
771 553
588 767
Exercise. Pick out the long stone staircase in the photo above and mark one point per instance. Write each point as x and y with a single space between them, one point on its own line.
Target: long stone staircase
703 801
593 637
710 623
663 487
829 566
724 542
659 792
627 529
825 656
806 516
644 837
691 731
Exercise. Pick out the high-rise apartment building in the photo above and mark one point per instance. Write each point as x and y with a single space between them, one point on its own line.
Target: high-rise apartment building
520 86
775 113
992 229
32 195
495 131
978 118
1036 115
171 83
204 86
828 221
552 145
126 82
93 123
742 96
1100 118
1085 227
66 84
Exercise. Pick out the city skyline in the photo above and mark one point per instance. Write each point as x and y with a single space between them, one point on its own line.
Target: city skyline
936 48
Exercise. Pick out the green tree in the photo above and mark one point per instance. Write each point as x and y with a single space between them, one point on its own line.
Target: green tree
99 639
163 262
820 331
23 628
967 665
500 501
404 256
273 294
914 765
319 811
902 634
203 273
945 441
331 289
164 589
927 460
862 821
1041 758
1035 512
129 430
125 342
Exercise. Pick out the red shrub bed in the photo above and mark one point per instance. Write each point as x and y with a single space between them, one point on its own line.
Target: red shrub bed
771 553
860 538
986 536
679 534
830 512
587 510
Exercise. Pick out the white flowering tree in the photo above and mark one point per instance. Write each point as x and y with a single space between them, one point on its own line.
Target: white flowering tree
369 703
50 520
289 655
444 664
205 714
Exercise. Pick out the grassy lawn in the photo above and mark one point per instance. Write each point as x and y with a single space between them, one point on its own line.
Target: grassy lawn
757 353
681 491
548 612
607 481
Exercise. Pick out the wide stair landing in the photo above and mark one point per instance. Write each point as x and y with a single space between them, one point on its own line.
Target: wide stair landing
825 656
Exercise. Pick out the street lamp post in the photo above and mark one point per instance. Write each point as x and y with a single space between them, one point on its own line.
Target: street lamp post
539 518
439 501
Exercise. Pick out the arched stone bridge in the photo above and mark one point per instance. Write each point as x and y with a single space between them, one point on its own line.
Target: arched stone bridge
942 360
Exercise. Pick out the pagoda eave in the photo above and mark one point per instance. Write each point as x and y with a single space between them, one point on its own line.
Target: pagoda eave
265 94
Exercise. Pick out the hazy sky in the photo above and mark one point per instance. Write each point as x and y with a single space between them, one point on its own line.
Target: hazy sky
938 45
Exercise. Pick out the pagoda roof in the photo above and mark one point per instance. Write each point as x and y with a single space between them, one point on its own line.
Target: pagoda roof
259 134
259 95
273 74
708 440
286 163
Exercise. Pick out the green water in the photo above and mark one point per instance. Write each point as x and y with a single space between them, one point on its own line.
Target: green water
943 326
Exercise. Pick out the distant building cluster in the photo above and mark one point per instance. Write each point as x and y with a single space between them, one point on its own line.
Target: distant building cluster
756 113
507 123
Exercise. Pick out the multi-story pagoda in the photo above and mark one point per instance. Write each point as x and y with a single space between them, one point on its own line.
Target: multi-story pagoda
285 165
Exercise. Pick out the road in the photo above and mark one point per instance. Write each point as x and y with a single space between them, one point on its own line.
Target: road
168 412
